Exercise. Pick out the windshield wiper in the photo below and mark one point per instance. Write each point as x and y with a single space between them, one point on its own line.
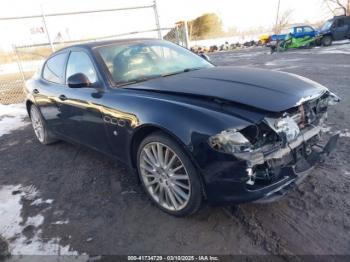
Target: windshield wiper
182 71
137 80
143 79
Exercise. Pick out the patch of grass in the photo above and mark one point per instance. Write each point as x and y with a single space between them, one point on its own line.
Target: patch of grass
25 54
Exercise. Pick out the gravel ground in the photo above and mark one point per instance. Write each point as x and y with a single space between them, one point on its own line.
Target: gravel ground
92 205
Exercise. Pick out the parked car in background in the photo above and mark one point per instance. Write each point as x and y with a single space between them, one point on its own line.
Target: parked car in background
295 32
335 29
192 131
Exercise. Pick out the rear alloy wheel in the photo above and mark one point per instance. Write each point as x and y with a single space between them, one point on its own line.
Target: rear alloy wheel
39 126
168 175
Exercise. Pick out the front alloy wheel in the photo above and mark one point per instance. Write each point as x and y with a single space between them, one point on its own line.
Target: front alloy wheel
168 176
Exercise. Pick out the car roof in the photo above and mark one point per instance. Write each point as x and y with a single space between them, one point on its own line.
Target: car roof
299 25
94 44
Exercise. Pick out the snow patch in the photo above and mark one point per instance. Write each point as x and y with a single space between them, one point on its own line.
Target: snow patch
12 118
12 225
337 49
39 202
271 63
344 134
60 222
346 52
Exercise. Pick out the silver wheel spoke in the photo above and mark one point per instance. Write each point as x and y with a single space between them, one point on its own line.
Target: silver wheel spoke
179 192
179 177
166 157
158 165
152 183
154 152
155 190
160 154
172 198
180 184
171 161
147 169
177 168
148 161
150 156
179 199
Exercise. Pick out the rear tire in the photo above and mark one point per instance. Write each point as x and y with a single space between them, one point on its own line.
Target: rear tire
327 41
168 175
40 128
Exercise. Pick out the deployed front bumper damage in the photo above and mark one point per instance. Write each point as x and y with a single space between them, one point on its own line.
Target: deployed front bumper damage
273 173
275 154
293 175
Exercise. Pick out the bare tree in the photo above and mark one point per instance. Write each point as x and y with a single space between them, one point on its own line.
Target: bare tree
337 7
283 21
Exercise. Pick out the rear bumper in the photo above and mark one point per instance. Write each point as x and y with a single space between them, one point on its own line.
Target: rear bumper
289 177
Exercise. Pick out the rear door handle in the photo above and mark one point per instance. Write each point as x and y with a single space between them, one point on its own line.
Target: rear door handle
36 91
62 97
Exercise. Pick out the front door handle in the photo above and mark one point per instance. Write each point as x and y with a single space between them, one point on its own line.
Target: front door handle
36 91
62 97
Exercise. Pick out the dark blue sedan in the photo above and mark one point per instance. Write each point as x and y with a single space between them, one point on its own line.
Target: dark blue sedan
191 131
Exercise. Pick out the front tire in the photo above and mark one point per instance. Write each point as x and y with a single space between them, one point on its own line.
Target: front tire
168 175
40 129
326 41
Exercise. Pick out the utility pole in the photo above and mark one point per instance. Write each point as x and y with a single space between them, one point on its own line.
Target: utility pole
46 30
187 40
277 15
157 18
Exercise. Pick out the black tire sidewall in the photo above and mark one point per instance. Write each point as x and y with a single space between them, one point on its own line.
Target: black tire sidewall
327 41
196 187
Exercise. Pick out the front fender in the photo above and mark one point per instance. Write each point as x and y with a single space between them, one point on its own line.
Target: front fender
190 123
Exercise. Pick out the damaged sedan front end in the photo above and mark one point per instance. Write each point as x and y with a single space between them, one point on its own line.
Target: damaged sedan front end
280 150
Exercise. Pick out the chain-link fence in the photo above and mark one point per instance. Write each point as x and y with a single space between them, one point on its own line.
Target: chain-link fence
22 61
12 78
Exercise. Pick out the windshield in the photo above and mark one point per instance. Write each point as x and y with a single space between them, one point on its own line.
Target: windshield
139 61
327 25
287 31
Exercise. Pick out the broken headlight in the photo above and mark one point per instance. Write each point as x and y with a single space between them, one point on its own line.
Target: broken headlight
234 142
230 141
333 99
285 127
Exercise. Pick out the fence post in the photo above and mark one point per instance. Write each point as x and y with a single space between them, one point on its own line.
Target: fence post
156 16
187 44
19 64
177 36
46 30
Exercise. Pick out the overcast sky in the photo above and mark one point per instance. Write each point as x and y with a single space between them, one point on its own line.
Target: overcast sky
243 14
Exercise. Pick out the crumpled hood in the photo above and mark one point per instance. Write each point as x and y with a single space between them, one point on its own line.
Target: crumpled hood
263 89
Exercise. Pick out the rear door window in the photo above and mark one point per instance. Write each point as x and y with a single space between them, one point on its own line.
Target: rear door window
54 68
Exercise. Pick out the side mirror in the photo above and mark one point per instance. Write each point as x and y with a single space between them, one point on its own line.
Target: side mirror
78 80
202 55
